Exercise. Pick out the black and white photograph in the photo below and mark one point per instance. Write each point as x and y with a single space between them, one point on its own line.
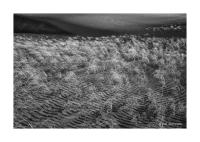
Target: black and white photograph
100 70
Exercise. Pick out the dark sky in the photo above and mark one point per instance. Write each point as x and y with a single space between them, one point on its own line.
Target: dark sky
92 23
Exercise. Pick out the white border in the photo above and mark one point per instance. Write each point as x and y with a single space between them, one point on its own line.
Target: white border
101 6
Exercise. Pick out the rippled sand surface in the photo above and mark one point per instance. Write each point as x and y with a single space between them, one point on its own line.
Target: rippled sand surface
99 82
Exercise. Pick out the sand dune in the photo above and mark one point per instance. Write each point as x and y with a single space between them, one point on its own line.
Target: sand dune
105 23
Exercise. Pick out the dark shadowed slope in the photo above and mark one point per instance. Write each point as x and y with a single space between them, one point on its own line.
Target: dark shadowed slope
101 24
24 24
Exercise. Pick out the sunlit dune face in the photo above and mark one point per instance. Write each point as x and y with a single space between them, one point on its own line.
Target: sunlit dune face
114 21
